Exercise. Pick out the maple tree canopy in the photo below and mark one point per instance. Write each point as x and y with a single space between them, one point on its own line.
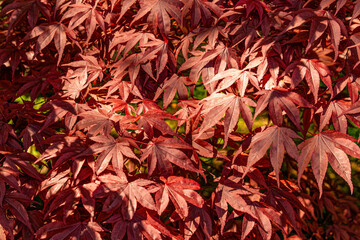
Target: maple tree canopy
179 119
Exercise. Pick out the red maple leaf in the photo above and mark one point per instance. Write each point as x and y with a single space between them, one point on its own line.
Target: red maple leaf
161 152
328 147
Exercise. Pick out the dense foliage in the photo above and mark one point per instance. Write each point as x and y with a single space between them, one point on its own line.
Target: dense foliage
179 119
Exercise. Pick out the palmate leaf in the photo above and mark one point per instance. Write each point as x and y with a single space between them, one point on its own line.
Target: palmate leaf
20 8
334 111
113 150
127 153
46 33
232 193
328 147
173 85
200 10
81 230
161 152
159 11
218 104
181 192
312 70
231 76
198 218
278 139
84 12
278 100
125 195
142 225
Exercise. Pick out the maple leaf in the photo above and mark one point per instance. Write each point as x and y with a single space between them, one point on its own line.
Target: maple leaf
90 64
336 27
279 100
98 120
334 110
125 6
86 71
173 85
84 12
24 162
322 21
155 119
159 11
203 63
127 40
211 33
238 197
251 5
111 150
59 110
181 192
8 176
198 218
230 76
218 104
160 50
62 148
20 8
124 193
200 11
46 33
328 147
353 84
14 203
353 113
79 230
279 139
161 152
312 70
12 55
141 225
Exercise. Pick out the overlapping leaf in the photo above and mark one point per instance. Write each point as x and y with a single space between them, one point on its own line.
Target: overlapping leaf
328 147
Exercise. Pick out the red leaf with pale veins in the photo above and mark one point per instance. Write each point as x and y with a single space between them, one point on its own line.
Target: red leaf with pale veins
127 194
334 111
19 211
353 113
161 152
47 33
335 33
328 147
160 51
278 139
312 70
199 11
231 76
280 100
218 104
111 150
154 119
98 121
352 82
181 192
198 218
84 12
172 86
79 230
238 196
20 8
159 11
